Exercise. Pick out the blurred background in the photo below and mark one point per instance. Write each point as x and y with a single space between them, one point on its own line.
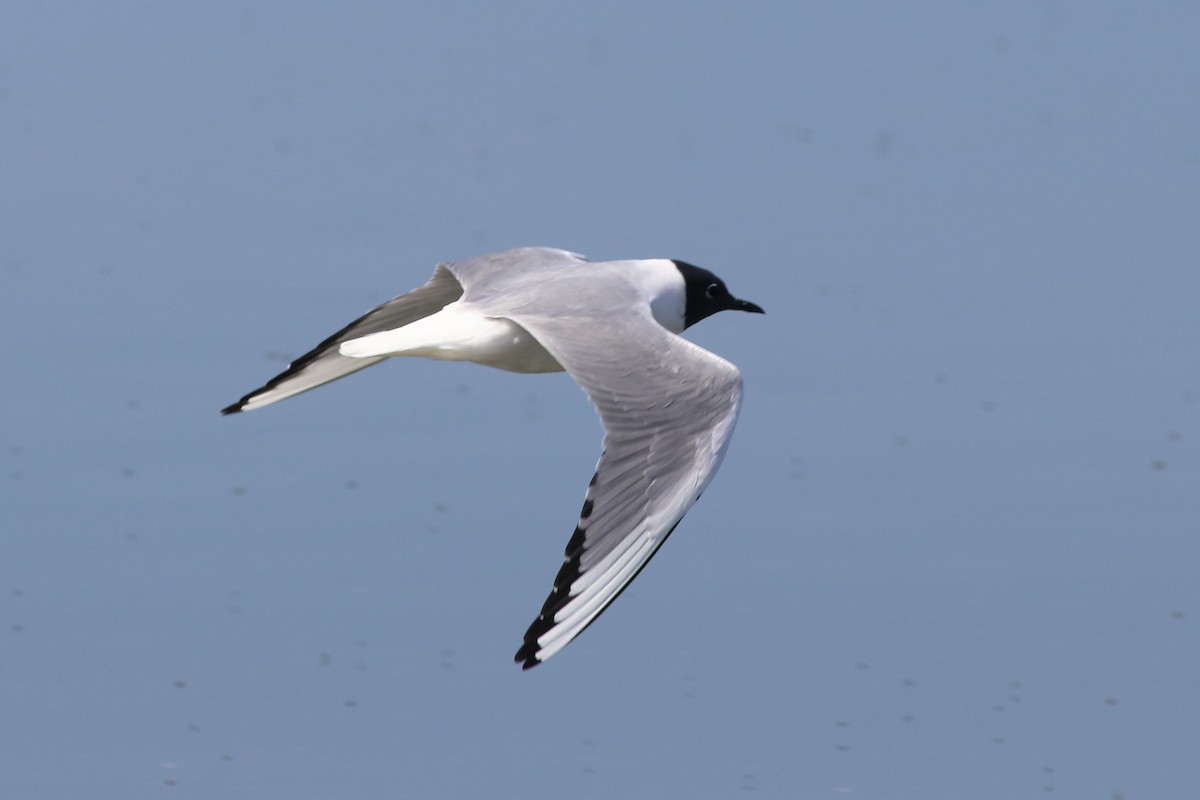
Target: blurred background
953 551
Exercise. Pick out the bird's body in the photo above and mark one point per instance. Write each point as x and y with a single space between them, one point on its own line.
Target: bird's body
459 333
668 406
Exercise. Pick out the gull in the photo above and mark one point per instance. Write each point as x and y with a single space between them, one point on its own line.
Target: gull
668 406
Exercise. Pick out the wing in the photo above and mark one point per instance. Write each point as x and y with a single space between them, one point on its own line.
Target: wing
323 363
481 277
496 276
668 409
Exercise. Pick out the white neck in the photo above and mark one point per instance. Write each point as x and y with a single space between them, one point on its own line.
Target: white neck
661 284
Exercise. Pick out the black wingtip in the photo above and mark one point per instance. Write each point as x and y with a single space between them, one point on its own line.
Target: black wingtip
527 657
240 405
527 653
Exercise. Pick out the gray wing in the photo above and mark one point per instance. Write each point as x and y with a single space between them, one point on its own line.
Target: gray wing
323 363
483 276
508 273
668 408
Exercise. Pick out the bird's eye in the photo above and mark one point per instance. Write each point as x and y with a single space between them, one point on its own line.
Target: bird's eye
713 290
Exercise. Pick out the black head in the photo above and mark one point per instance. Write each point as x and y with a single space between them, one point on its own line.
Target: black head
706 295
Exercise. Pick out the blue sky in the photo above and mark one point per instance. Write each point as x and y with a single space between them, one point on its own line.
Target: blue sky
952 551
